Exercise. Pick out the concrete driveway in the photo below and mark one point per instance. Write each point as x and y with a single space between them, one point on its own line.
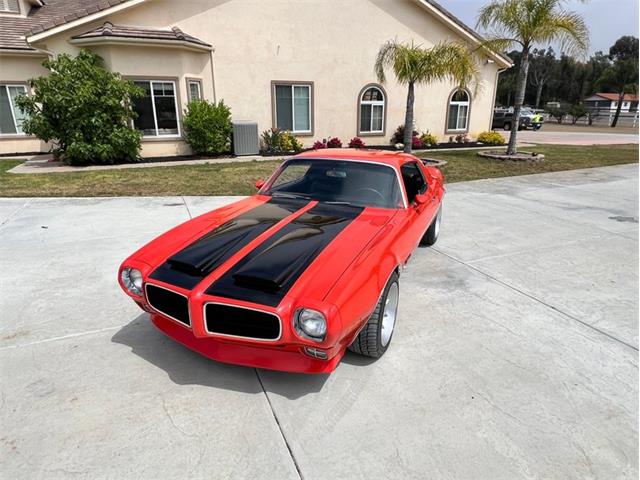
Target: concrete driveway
515 356
548 136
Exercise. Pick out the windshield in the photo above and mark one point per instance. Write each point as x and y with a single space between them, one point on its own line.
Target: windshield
337 181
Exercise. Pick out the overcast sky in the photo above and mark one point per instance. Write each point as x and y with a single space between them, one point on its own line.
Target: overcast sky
607 20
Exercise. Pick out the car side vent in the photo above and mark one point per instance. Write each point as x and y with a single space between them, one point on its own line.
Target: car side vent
245 138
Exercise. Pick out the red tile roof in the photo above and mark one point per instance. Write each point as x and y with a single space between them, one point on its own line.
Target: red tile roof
628 97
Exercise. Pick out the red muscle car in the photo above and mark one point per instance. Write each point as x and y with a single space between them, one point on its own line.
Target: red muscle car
291 277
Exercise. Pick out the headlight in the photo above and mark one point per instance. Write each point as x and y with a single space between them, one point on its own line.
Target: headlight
132 280
310 324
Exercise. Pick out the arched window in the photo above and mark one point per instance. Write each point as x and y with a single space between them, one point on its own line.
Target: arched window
372 105
458 117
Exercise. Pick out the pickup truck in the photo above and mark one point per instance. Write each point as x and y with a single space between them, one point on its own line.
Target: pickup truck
504 119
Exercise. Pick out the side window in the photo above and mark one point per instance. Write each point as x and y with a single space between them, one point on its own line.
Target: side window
414 182
291 175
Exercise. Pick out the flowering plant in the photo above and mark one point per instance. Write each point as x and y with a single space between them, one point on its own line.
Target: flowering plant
356 142
334 142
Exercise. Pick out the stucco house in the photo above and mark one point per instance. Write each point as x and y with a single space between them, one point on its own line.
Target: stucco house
305 66
609 101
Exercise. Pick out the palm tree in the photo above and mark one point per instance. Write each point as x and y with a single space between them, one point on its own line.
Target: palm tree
524 24
414 65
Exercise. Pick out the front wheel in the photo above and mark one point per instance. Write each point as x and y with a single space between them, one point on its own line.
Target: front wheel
431 235
507 126
373 340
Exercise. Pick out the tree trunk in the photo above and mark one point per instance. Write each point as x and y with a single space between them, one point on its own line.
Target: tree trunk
619 107
521 86
539 88
408 120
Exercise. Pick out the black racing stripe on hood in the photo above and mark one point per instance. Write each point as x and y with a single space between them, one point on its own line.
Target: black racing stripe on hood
266 274
190 265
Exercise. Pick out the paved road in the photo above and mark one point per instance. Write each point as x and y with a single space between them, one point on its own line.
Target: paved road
515 355
572 138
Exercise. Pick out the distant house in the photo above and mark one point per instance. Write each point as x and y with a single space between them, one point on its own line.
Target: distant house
609 101
304 66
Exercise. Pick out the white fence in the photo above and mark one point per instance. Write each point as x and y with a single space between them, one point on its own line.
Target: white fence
600 118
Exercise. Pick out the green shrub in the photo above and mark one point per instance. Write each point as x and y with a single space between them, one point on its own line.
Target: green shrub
84 109
428 138
208 127
577 112
279 141
491 138
289 143
558 114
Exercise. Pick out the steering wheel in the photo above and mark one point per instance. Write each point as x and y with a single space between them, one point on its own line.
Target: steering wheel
370 190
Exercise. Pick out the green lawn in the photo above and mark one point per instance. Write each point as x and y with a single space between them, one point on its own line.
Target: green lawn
238 178
466 165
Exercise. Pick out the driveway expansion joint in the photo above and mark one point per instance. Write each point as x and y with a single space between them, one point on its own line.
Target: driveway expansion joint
187 207
275 417
536 299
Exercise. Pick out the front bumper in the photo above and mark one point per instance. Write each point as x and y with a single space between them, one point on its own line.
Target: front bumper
282 357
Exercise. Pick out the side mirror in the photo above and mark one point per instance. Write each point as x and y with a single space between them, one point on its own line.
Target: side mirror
420 199
259 184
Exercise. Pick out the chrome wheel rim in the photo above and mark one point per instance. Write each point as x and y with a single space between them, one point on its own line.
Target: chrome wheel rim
389 314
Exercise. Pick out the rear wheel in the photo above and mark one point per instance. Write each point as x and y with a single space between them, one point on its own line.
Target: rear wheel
374 339
431 235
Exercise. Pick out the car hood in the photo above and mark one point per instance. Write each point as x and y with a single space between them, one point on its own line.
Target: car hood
262 249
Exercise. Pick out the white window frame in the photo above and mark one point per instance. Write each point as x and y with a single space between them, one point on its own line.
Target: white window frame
153 106
459 104
293 106
373 103
12 107
195 82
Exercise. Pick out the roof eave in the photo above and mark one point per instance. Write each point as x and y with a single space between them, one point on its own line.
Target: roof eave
22 52
37 37
106 40
466 32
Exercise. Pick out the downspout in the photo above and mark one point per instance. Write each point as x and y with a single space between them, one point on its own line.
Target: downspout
213 77
495 91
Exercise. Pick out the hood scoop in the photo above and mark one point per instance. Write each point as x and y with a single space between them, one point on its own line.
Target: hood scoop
285 258
266 274
190 265
202 259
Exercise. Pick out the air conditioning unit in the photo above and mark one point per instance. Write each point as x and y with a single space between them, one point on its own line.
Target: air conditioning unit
245 138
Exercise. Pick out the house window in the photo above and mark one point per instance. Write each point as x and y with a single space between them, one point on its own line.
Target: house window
195 90
11 117
292 107
372 103
157 110
11 6
458 118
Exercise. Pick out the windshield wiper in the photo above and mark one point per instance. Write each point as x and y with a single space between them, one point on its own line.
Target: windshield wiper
289 195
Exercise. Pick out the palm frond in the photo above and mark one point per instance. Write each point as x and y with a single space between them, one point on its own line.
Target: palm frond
530 22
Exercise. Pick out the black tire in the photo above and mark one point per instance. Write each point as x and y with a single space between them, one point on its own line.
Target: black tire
369 341
507 125
431 235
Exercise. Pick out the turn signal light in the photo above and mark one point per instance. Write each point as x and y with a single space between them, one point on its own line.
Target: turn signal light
315 353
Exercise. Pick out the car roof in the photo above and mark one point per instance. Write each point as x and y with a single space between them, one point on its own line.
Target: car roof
386 157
